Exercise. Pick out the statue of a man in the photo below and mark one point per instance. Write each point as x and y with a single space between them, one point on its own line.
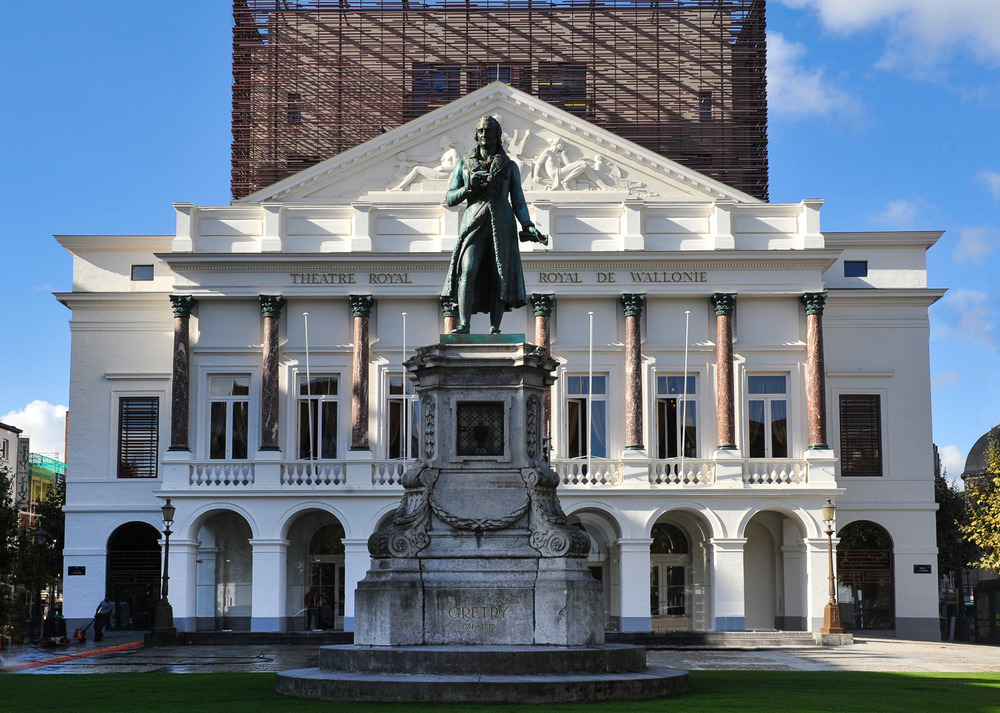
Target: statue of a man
485 273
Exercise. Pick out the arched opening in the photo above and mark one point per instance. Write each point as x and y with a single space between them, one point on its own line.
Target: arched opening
679 597
315 573
774 573
224 595
133 575
865 577
601 561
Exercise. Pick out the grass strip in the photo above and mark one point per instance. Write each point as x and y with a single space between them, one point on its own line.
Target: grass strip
711 692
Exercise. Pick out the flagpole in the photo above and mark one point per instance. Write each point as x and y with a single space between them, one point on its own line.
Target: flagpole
590 392
406 399
309 408
687 326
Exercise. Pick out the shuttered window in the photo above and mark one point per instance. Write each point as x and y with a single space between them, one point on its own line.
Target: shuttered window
860 435
138 436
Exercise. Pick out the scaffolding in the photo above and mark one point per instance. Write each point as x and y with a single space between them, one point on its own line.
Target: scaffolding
684 78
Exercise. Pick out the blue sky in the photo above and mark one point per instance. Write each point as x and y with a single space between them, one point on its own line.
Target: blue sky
886 109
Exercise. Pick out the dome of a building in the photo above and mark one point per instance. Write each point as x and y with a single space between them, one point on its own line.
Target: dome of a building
975 464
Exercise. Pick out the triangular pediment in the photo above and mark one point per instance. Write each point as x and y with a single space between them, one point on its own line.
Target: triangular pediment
561 156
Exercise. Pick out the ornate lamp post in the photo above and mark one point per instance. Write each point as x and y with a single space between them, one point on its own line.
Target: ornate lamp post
41 537
961 620
831 614
163 616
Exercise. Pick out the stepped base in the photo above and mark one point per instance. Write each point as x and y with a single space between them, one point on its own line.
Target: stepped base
517 674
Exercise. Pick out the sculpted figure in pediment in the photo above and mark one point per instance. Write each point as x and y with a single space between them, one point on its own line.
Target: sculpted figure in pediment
554 170
441 171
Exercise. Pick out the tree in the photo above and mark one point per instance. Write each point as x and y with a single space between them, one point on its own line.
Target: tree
15 548
982 498
954 550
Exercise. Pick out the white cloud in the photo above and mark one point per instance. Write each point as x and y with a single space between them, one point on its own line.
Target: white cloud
946 379
44 424
795 91
920 33
992 181
974 243
966 315
899 214
952 460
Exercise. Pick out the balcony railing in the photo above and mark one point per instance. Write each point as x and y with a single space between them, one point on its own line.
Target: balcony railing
776 472
675 472
573 473
221 474
594 472
313 473
389 472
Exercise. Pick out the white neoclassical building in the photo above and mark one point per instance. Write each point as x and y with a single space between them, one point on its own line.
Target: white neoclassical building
725 368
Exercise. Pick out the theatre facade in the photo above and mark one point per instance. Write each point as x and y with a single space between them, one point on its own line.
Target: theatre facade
725 368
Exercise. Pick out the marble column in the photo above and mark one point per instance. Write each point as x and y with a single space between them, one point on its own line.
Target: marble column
270 308
633 304
543 304
180 397
361 308
815 370
449 311
725 304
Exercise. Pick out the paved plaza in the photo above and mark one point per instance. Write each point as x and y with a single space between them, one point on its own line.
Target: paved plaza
124 652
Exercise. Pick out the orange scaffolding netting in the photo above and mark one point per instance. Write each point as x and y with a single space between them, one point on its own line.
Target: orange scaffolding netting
684 78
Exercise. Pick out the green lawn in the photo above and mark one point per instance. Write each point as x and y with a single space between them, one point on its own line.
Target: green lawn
711 691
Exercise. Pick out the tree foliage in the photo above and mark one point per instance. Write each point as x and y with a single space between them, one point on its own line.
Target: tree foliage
982 498
954 549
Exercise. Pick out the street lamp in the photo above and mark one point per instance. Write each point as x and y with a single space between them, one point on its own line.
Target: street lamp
163 616
961 620
41 537
831 614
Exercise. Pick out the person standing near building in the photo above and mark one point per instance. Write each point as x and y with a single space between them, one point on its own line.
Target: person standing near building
102 616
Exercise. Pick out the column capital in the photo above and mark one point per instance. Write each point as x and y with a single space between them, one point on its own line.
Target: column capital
814 302
633 302
449 307
270 305
182 305
361 305
542 304
724 303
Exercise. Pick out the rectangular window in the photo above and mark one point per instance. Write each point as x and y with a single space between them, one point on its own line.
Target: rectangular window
433 86
142 273
564 85
138 436
704 105
676 417
578 445
317 413
855 268
860 435
4 450
229 414
514 75
767 409
402 416
294 107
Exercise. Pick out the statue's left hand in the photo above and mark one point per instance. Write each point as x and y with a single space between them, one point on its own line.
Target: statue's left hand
535 235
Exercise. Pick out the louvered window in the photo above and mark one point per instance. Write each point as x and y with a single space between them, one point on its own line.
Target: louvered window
138 436
860 435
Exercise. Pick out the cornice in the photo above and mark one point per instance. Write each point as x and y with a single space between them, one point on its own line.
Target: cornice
873 239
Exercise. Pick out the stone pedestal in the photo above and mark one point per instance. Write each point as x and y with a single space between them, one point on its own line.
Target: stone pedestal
479 588
479 552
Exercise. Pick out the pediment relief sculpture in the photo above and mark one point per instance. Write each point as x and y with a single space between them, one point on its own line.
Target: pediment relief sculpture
551 164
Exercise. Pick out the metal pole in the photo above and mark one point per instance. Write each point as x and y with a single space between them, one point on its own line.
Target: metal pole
406 398
309 406
683 434
590 393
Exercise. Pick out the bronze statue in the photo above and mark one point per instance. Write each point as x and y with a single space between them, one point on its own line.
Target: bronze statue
485 273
